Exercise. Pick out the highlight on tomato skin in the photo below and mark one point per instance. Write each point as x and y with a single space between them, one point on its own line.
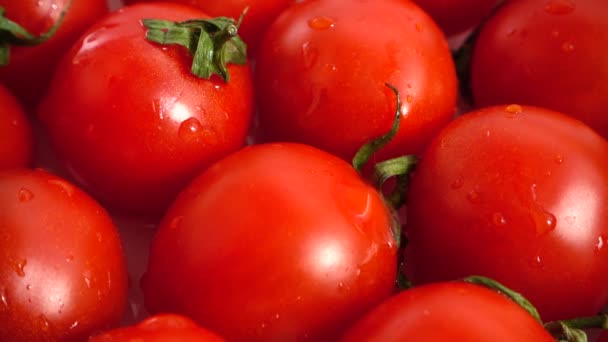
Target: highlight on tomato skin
448 311
63 274
160 328
517 194
17 138
275 242
30 68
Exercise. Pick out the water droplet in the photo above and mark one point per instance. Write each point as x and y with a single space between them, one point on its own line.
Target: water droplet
4 299
19 267
175 222
559 7
544 221
513 110
43 323
498 219
602 242
73 325
533 192
341 286
69 258
28 287
66 187
298 298
321 23
555 33
409 99
330 67
537 262
457 183
559 159
309 54
190 129
567 46
473 197
419 27
87 278
15 123
277 316
25 195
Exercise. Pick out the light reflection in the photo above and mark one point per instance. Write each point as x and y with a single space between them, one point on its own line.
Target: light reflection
179 113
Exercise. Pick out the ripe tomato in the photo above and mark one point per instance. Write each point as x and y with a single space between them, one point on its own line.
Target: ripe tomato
546 53
160 328
62 270
138 125
322 68
517 194
448 311
16 144
260 14
30 68
456 16
603 337
276 242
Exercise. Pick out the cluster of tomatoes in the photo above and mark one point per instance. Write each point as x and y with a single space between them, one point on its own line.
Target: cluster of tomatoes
316 170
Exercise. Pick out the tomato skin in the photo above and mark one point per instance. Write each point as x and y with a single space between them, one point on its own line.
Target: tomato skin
322 68
457 16
160 328
260 14
547 54
30 68
281 230
449 311
522 197
17 143
137 128
62 270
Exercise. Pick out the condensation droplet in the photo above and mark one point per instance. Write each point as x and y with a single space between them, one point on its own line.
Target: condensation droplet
25 195
457 183
69 258
190 129
4 299
309 54
559 159
87 278
567 46
533 192
513 110
321 23
15 123
555 33
19 267
28 287
175 222
545 222
560 7
602 241
473 197
409 99
43 323
537 262
73 325
419 27
498 219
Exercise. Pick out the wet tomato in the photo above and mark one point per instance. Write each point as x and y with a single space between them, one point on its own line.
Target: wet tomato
17 142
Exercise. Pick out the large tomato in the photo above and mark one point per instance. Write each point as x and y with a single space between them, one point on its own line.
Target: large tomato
16 144
456 16
260 14
160 328
546 53
62 270
322 67
518 194
130 121
30 68
277 242
448 311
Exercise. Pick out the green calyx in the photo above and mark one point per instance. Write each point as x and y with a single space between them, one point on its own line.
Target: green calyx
12 33
213 43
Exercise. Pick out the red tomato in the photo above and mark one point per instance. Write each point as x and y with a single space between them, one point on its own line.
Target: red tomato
456 16
603 337
62 270
138 125
16 144
546 53
450 311
260 15
277 242
30 68
322 69
517 194
160 328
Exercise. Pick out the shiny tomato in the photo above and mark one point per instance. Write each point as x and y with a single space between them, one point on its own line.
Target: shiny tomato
62 270
546 53
456 16
30 68
448 311
16 144
160 328
277 242
138 125
260 14
323 65
518 194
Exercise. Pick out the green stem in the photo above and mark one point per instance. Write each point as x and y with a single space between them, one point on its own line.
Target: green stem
400 168
572 330
12 33
213 43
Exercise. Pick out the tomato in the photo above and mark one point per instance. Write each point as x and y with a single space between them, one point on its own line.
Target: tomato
548 54
129 120
16 145
457 16
160 328
448 311
63 274
603 337
276 242
30 68
323 65
517 194
260 14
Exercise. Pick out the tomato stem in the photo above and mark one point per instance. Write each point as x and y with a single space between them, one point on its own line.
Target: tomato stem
572 330
213 43
400 168
12 33
367 151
